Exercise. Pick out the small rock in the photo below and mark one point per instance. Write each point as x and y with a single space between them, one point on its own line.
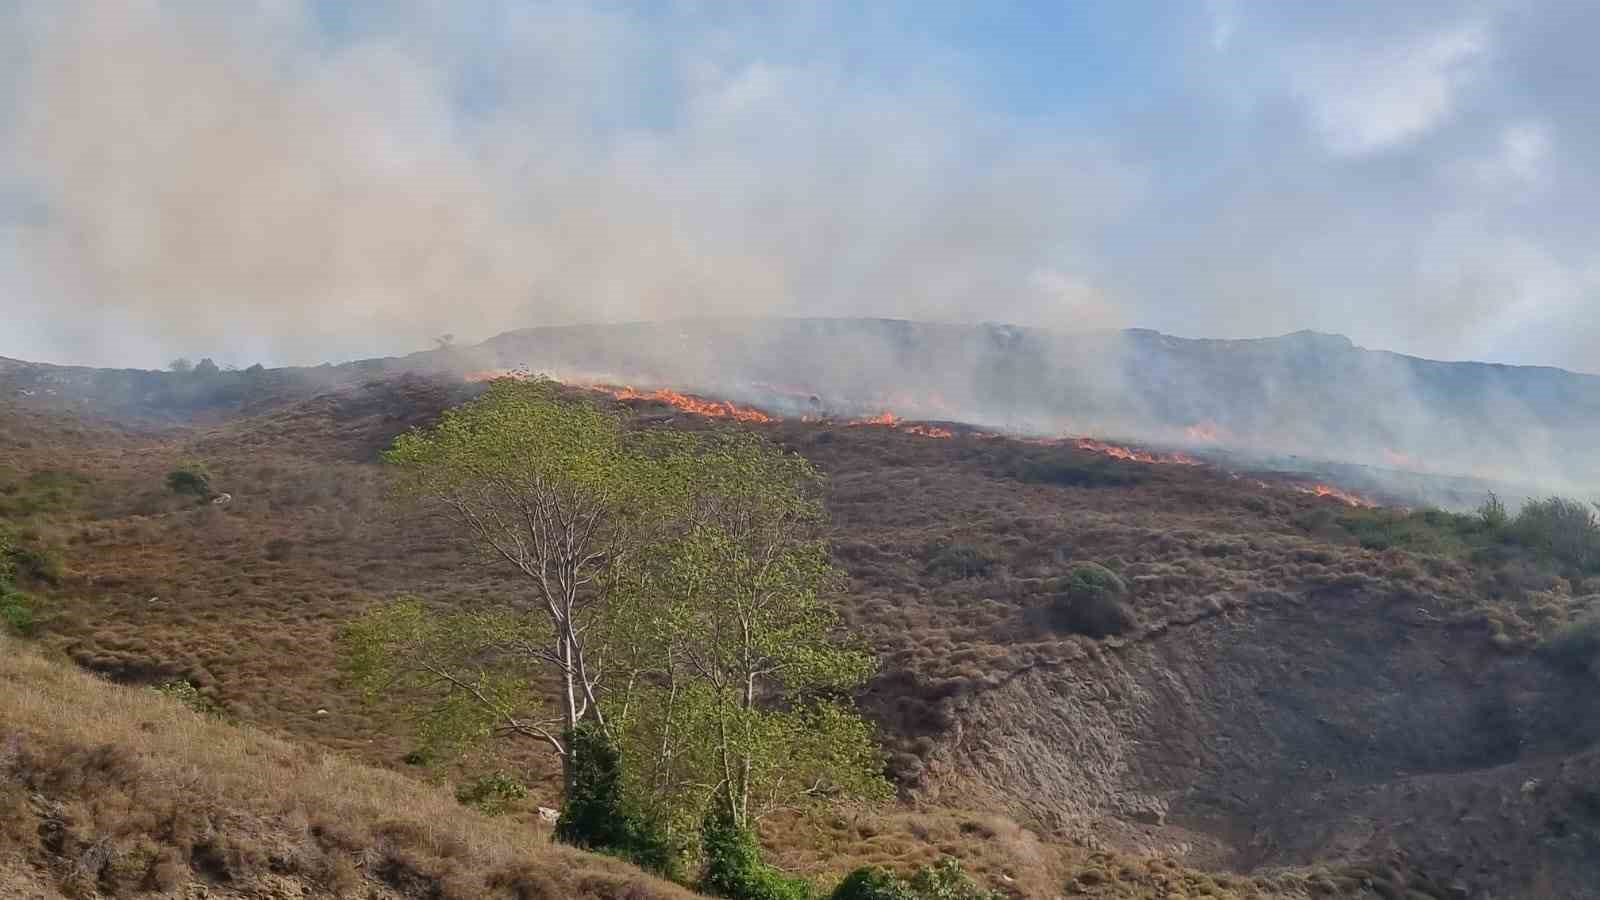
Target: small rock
549 815
322 712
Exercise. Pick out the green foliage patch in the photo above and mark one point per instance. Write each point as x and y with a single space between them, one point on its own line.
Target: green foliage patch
41 492
1556 533
733 865
1090 602
18 609
957 560
596 814
190 479
185 692
492 793
943 880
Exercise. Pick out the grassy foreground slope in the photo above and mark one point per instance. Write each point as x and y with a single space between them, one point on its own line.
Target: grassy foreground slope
117 791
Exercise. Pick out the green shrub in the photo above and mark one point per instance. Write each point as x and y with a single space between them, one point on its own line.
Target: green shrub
191 479
1429 531
185 692
1565 531
956 560
945 880
872 883
1090 603
38 563
490 794
597 816
17 608
47 490
18 611
1492 513
734 868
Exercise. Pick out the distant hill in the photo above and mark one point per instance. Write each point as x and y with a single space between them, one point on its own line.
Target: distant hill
1303 394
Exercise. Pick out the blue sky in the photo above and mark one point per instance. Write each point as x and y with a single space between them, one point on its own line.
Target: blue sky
299 180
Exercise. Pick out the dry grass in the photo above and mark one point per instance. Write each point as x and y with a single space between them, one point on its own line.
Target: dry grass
952 548
113 790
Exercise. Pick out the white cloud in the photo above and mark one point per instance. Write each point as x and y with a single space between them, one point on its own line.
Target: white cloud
1363 100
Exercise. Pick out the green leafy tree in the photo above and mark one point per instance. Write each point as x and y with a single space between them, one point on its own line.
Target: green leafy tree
553 491
690 569
739 696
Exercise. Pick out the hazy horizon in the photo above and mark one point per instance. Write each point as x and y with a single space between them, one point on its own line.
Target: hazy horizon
453 342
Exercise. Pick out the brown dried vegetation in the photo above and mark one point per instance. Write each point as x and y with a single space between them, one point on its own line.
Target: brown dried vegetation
959 552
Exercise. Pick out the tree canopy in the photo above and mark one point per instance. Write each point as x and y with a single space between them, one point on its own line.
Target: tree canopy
678 592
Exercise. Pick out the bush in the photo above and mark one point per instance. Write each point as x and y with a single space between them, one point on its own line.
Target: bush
39 563
734 868
17 608
1566 531
872 883
596 816
490 794
46 490
945 880
1430 531
184 691
18 611
1090 603
957 560
192 479
1492 513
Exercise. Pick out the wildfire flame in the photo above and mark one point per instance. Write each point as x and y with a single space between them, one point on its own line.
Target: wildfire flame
700 406
890 420
1204 432
1116 451
1327 490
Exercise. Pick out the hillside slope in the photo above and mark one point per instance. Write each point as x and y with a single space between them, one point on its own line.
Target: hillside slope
114 791
1304 691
